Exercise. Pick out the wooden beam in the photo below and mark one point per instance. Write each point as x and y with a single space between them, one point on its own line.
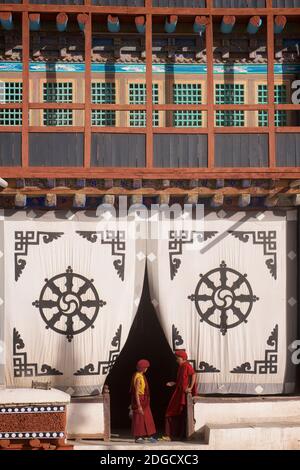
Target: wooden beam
296 200
200 23
140 24
128 10
279 24
82 20
25 88
87 90
244 200
228 173
113 24
227 24
254 24
6 20
210 94
271 85
79 201
20 200
217 200
50 200
170 24
34 21
61 22
149 102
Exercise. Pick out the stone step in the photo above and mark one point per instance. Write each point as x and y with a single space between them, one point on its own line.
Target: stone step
250 436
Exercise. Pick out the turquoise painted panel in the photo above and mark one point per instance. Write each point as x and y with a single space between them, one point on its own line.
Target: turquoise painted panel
238 69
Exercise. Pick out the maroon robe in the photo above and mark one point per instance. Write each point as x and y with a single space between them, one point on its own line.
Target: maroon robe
142 424
176 411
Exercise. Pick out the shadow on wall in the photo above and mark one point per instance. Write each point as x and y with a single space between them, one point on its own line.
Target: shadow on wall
146 340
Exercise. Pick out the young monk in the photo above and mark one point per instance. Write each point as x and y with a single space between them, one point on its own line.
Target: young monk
176 414
142 421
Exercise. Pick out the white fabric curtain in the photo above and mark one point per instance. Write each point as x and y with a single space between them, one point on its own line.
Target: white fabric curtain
72 289
230 301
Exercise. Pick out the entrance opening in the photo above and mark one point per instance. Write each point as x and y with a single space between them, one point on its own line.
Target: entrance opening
146 340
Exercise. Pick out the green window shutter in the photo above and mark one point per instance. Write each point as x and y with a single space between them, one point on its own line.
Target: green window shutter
11 92
230 93
187 93
280 97
137 95
103 93
58 92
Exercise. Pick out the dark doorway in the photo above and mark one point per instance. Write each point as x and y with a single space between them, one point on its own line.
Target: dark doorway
146 340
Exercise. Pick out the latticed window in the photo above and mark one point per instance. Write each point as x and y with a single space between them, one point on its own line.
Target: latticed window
103 93
10 92
137 95
61 92
187 93
280 97
230 93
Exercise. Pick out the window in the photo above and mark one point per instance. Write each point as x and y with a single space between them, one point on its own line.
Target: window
230 93
280 97
137 95
187 93
10 92
61 92
103 93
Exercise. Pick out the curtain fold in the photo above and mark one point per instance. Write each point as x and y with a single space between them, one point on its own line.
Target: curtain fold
227 294
72 289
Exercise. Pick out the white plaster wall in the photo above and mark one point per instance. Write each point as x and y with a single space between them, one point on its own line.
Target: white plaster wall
85 419
235 412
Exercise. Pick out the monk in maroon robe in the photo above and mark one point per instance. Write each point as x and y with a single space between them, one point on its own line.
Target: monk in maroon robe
176 413
142 420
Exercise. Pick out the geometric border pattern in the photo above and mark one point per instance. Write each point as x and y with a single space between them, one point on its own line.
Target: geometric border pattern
118 246
267 240
103 367
32 409
29 435
268 365
25 239
22 368
176 241
204 367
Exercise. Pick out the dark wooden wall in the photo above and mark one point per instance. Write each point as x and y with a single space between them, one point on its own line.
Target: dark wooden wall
57 2
241 150
10 148
131 3
118 150
179 3
239 3
288 149
286 3
180 150
55 149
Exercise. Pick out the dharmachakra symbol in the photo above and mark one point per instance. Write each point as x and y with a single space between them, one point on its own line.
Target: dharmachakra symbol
228 296
75 305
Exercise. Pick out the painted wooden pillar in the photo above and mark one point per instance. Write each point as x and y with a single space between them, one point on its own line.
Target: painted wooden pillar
200 23
82 20
171 23
6 20
227 24
254 24
113 24
140 24
61 22
279 24
34 21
